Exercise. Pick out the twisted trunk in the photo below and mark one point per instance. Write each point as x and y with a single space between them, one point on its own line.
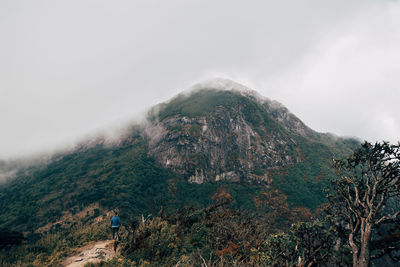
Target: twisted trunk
361 255
365 240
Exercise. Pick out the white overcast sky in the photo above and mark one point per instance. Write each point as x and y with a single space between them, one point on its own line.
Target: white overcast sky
69 68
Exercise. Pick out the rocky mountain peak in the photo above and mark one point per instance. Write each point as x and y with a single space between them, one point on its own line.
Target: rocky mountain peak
224 131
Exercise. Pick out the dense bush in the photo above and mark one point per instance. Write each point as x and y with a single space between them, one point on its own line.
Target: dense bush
9 238
216 233
51 248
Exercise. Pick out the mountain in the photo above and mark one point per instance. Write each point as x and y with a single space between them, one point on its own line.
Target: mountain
212 135
219 137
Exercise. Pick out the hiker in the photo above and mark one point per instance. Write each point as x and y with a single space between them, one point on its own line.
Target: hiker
115 223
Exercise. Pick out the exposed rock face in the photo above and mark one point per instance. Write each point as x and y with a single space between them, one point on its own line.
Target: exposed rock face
282 115
226 143
225 131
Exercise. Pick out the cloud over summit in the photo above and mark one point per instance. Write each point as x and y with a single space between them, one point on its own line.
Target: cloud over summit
68 68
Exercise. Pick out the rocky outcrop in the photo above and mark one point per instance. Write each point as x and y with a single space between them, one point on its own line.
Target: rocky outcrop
223 145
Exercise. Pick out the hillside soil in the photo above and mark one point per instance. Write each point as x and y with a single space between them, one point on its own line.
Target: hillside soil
94 252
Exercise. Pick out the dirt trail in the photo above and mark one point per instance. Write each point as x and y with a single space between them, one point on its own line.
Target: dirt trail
95 252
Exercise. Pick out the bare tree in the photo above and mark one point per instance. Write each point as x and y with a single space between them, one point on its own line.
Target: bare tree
368 178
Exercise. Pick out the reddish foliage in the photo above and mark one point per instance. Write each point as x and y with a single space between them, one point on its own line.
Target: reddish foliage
172 188
232 249
222 194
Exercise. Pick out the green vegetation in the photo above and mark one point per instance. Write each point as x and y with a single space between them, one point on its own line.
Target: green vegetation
305 244
217 233
258 171
106 178
199 103
368 179
123 178
304 182
222 223
51 248
205 102
9 238
195 130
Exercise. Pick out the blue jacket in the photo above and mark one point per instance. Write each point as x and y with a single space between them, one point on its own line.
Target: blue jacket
115 221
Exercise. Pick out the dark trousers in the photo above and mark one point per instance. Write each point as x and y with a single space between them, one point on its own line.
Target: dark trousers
115 230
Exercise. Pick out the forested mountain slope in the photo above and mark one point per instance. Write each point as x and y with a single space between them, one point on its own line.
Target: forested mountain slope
182 155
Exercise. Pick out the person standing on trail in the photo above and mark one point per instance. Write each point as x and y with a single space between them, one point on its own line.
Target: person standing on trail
115 223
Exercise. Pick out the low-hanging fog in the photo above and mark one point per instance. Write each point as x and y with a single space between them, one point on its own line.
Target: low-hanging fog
70 68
